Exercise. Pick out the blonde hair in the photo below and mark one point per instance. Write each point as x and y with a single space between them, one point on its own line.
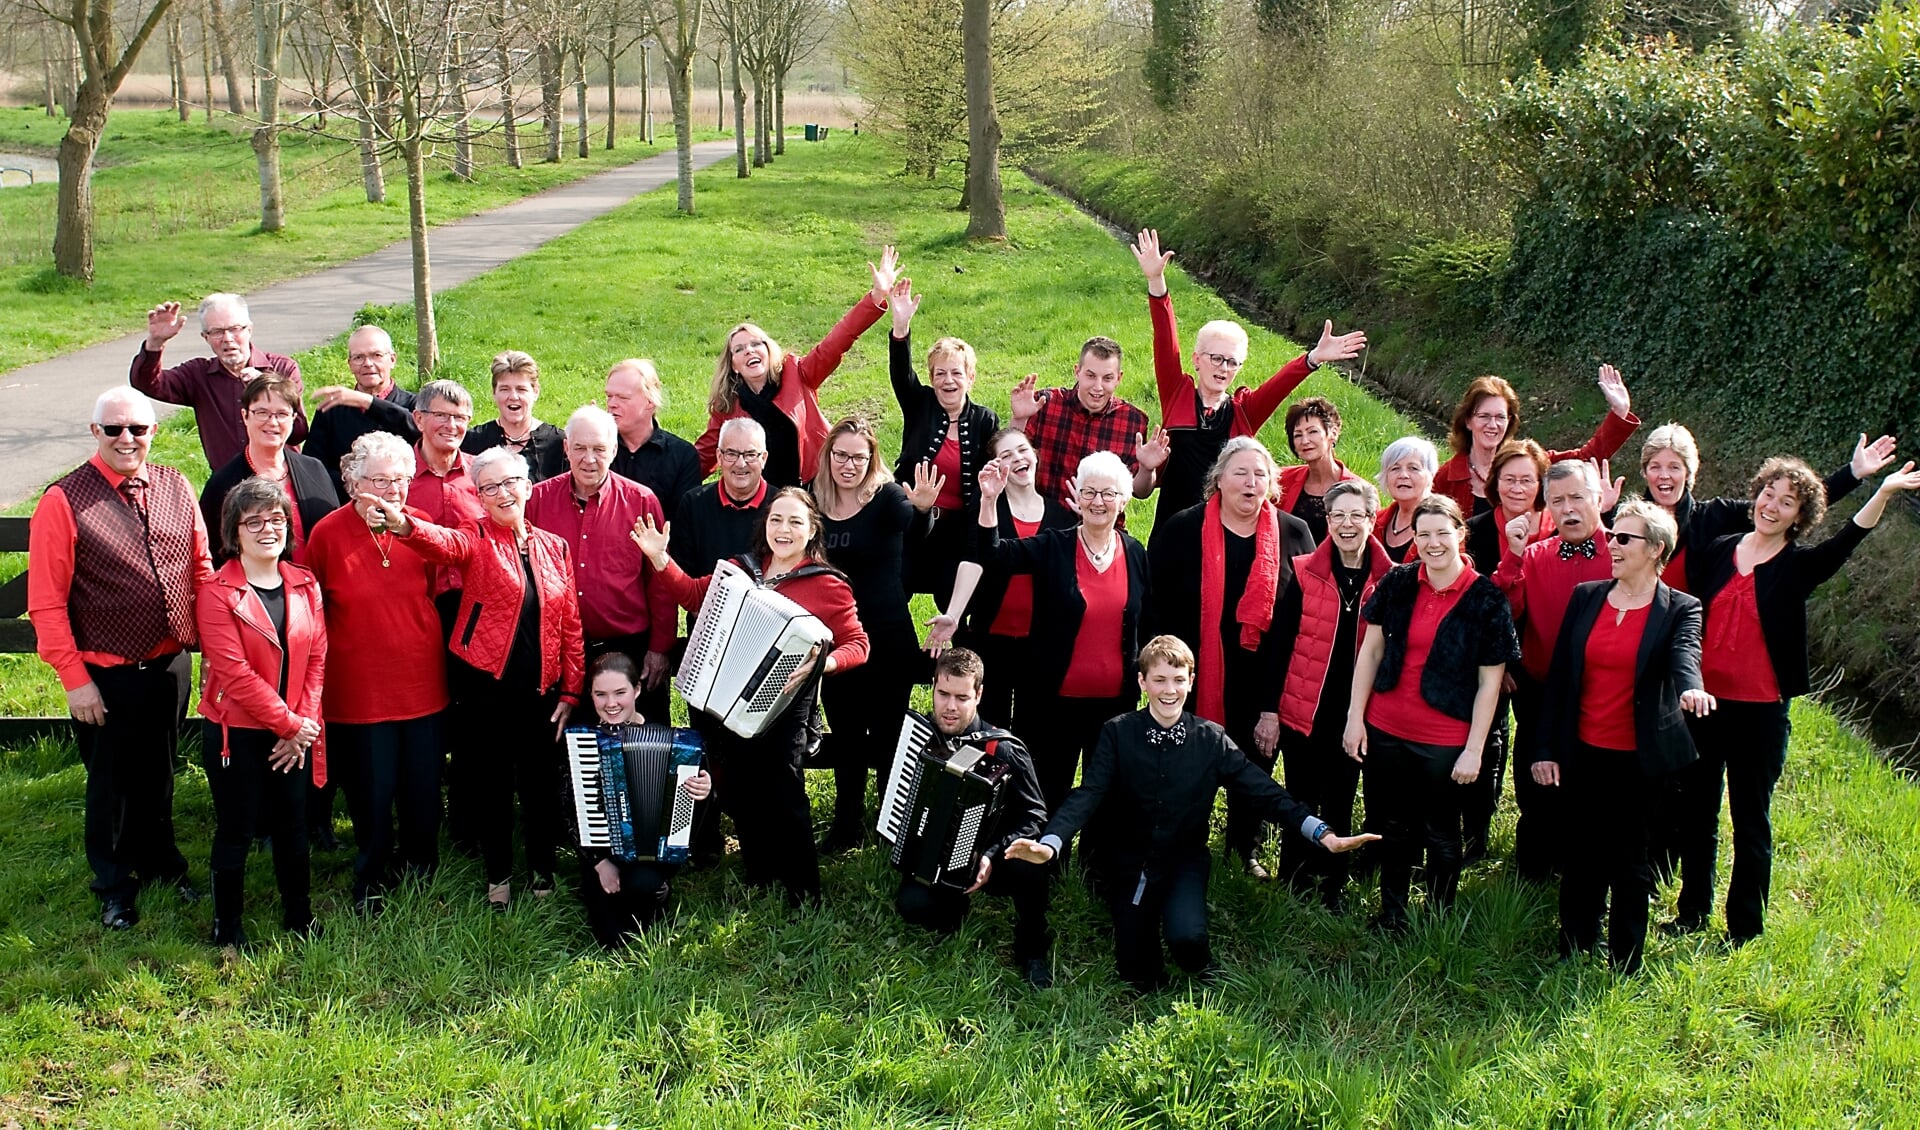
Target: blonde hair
1171 650
953 347
723 394
648 376
1663 533
1677 439
1233 333
513 361
877 473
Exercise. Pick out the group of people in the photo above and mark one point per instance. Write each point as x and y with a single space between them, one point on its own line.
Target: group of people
411 605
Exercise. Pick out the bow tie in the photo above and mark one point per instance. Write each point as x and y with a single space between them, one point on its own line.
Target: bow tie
1586 549
1177 735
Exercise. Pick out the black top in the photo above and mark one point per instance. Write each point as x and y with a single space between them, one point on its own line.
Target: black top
1024 811
1162 793
314 494
867 548
1484 535
332 432
925 426
1667 666
992 587
1477 632
708 531
665 463
1398 554
274 600
782 467
1781 587
1336 692
523 657
1183 479
545 451
1058 604
1312 509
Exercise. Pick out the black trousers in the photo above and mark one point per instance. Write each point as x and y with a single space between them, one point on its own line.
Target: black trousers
761 783
1170 907
1061 732
1480 797
459 730
251 797
1410 786
1538 835
1246 828
655 705
933 559
512 754
1321 776
129 759
642 898
864 708
1007 697
942 909
392 770
1744 744
1607 802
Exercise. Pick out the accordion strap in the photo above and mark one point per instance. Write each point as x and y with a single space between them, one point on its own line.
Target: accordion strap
748 562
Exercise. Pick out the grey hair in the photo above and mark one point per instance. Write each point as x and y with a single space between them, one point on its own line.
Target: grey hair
453 392
516 464
232 302
1569 468
123 396
1233 447
1662 531
747 424
1409 445
374 445
1104 463
1368 494
592 416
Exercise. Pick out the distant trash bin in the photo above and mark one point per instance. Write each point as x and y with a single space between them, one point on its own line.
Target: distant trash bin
823 133
813 132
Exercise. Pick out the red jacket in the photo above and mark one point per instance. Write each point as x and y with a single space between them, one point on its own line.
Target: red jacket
240 656
1293 480
1319 624
823 594
798 395
1455 477
1253 405
492 586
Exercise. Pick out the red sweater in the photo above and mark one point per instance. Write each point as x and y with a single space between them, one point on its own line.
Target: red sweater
822 594
1539 584
381 616
1253 405
1455 477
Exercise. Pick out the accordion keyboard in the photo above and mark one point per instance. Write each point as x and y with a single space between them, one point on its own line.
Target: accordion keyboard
896 807
583 762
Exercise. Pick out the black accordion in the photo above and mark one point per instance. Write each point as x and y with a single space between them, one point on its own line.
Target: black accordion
628 794
941 806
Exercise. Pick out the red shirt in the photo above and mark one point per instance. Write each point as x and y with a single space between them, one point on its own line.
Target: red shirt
390 658
1539 585
620 594
1675 574
1606 679
449 500
1734 663
947 462
1098 669
1403 711
1015 618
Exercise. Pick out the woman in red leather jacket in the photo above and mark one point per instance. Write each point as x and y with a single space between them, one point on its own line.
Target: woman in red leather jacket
264 654
517 647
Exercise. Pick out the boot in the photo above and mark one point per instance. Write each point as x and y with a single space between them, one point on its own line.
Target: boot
229 898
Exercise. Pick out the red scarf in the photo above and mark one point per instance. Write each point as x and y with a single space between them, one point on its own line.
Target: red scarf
1255 613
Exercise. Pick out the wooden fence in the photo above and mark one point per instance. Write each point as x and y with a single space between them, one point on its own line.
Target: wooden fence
16 635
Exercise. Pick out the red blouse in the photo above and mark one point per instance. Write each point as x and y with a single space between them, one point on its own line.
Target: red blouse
1606 680
1403 711
1675 574
947 462
1734 663
1015 618
1098 668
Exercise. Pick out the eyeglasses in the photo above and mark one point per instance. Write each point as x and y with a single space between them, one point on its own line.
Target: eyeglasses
366 358
384 482
462 418
1628 539
854 458
1092 495
113 431
269 416
1342 517
1490 418
491 490
1223 360
226 331
260 522
1528 481
729 455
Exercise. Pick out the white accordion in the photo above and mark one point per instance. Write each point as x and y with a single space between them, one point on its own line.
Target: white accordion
746 642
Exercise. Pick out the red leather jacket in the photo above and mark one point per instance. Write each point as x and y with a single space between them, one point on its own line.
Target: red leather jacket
491 589
1319 625
240 656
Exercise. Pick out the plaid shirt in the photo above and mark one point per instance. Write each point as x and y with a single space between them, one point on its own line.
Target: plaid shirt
1063 432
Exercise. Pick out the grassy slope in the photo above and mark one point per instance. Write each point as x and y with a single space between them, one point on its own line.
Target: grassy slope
736 1013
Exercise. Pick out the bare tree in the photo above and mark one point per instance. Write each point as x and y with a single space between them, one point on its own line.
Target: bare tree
677 25
223 40
798 27
354 30
269 29
177 65
986 211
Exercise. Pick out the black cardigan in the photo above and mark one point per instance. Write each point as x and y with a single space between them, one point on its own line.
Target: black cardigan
1174 555
1477 633
1781 587
310 485
1667 666
991 591
546 450
925 424
1702 520
1058 605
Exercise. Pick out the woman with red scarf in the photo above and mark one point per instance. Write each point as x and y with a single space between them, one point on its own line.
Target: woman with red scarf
1218 571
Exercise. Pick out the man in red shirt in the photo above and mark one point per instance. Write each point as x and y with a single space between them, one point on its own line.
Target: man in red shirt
211 385
1065 425
623 606
442 484
118 548
1539 580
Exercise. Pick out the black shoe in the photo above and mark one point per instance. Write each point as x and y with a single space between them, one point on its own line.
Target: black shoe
188 893
119 914
1473 851
321 838
1681 926
841 839
1255 868
229 934
303 929
1039 972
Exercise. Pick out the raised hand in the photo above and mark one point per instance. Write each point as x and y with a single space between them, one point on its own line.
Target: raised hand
884 274
992 479
1610 487
383 515
1152 453
1906 478
1871 458
940 631
904 304
652 539
1520 531
1336 347
1030 851
1025 401
1073 494
1614 387
163 322
1698 703
927 484
1153 262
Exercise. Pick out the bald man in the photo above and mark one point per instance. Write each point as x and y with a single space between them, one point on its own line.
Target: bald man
374 403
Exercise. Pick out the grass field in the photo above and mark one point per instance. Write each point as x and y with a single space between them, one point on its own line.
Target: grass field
736 1012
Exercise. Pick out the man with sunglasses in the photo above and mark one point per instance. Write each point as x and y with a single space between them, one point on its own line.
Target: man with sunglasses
118 548
1201 410
211 386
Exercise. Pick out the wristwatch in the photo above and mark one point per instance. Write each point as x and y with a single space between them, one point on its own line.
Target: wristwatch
1320 833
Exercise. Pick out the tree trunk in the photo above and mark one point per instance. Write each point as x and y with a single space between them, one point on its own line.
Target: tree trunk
177 66
206 63
780 113
360 79
463 121
680 93
552 79
986 211
719 96
613 100
509 113
739 118
268 27
70 92
580 100
759 121
646 97
73 228
222 37
46 68
427 344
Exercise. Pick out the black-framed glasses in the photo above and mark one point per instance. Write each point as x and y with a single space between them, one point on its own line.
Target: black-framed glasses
113 430
729 455
1223 360
851 457
260 522
491 490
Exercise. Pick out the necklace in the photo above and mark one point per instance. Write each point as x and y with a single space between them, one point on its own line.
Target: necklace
281 477
1099 557
1393 522
385 561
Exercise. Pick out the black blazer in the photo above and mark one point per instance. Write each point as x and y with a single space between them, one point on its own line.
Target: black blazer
1058 605
1781 588
1668 666
1702 520
925 424
991 592
310 485
545 453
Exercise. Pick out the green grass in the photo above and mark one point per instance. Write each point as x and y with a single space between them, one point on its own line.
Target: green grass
735 1012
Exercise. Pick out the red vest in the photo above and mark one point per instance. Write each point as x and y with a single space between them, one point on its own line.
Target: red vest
132 582
1319 624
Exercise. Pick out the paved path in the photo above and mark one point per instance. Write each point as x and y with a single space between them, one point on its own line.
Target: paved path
44 407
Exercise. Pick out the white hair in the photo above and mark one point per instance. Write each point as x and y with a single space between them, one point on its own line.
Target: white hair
231 302
386 339
1104 464
516 464
1404 446
746 424
1568 468
453 392
124 396
591 416
372 446
1232 333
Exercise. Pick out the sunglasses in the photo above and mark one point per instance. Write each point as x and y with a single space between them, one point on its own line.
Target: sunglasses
113 430
1628 539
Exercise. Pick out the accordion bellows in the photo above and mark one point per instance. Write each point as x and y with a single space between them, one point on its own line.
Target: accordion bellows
746 642
628 794
941 806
